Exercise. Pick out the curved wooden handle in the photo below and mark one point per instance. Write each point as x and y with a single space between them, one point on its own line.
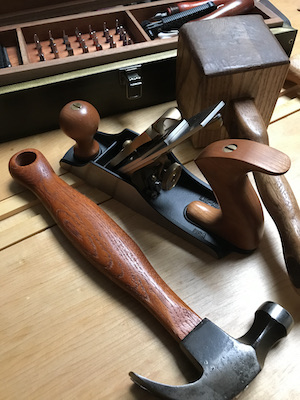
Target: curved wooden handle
282 205
103 242
293 74
225 165
275 192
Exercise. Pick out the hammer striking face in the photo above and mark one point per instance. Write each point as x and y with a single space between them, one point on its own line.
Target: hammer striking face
227 365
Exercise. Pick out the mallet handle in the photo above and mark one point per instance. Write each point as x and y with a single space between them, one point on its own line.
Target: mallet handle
293 74
275 191
103 242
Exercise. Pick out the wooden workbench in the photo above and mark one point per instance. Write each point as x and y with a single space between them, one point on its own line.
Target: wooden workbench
66 332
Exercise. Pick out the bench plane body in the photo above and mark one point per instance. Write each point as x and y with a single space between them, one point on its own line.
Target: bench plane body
165 207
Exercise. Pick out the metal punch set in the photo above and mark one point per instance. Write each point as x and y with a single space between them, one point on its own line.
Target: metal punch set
94 41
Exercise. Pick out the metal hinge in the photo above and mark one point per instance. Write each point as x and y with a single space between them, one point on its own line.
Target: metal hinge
132 79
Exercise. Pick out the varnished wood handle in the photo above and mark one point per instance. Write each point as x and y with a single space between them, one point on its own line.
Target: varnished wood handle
79 120
293 74
274 191
225 165
103 242
186 5
282 205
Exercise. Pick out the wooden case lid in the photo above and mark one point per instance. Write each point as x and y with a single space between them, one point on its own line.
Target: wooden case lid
19 11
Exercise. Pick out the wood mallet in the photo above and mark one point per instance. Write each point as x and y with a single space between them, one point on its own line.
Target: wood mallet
238 60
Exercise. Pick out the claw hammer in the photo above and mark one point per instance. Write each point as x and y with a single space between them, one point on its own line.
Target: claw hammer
226 365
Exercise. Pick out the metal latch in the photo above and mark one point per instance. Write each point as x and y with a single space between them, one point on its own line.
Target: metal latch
132 79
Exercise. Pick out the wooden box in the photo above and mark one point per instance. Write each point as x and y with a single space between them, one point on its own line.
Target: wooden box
114 80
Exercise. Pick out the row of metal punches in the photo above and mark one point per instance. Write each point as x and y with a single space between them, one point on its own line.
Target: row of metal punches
81 43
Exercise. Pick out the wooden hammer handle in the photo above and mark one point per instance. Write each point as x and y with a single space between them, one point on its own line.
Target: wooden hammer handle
103 242
274 191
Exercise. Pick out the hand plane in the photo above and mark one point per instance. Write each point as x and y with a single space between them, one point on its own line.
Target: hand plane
141 171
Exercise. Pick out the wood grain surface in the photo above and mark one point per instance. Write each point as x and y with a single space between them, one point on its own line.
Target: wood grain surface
68 332
230 63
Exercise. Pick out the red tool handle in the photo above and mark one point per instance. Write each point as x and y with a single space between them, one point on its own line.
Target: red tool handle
103 242
225 7
225 164
234 7
187 5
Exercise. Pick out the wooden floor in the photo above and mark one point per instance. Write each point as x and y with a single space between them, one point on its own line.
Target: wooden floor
66 332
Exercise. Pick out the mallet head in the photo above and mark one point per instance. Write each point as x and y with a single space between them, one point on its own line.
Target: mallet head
231 62
227 365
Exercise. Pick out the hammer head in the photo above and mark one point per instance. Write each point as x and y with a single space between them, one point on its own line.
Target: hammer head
227 365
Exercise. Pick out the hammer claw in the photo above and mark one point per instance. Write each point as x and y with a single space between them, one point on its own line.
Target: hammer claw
191 391
163 391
